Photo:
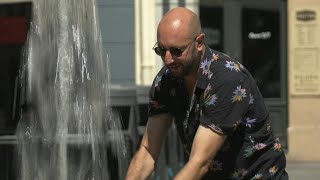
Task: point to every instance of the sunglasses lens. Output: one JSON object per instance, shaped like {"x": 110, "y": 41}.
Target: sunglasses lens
{"x": 158, "y": 51}
{"x": 176, "y": 52}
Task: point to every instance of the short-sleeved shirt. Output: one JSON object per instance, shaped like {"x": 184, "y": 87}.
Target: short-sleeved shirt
{"x": 227, "y": 100}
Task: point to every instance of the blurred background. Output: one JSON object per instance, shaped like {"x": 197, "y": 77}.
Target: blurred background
{"x": 277, "y": 40}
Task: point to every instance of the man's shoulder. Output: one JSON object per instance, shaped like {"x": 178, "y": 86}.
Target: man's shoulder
{"x": 217, "y": 55}
{"x": 219, "y": 62}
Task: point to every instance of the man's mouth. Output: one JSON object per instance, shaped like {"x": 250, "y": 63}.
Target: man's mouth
{"x": 174, "y": 67}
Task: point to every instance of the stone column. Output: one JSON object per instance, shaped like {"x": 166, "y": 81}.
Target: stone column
{"x": 304, "y": 80}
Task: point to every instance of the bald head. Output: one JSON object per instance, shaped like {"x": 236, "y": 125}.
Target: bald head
{"x": 179, "y": 22}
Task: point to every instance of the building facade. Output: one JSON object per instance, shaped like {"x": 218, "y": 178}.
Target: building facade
{"x": 277, "y": 40}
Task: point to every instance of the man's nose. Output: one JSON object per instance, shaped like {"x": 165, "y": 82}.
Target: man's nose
{"x": 168, "y": 59}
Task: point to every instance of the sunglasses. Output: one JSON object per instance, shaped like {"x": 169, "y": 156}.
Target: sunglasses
{"x": 174, "y": 51}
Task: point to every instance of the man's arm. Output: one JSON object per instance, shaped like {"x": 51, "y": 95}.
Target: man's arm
{"x": 143, "y": 163}
{"x": 205, "y": 146}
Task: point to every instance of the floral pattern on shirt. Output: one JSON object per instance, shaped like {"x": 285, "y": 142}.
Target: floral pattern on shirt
{"x": 205, "y": 66}
{"x": 215, "y": 128}
{"x": 227, "y": 101}
{"x": 239, "y": 94}
{"x": 257, "y": 177}
{"x": 251, "y": 149}
{"x": 215, "y": 57}
{"x": 277, "y": 146}
{"x": 249, "y": 122}
{"x": 251, "y": 99}
{"x": 216, "y": 166}
{"x": 210, "y": 99}
{"x": 238, "y": 173}
{"x": 233, "y": 66}
{"x": 156, "y": 83}
{"x": 273, "y": 170}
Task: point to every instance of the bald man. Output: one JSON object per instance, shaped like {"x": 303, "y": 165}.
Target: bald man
{"x": 216, "y": 106}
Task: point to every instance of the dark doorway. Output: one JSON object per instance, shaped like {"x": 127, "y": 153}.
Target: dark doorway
{"x": 260, "y": 49}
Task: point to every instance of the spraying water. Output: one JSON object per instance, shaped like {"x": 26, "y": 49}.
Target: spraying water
{"x": 66, "y": 126}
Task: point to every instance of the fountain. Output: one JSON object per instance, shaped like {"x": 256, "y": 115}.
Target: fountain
{"x": 66, "y": 129}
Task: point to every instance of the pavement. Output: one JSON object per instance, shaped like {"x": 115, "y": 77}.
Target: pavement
{"x": 303, "y": 170}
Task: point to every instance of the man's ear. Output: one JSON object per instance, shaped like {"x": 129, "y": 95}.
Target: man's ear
{"x": 200, "y": 40}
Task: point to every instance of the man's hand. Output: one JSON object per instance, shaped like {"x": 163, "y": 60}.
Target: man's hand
{"x": 143, "y": 163}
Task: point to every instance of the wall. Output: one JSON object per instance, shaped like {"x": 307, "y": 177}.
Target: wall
{"x": 304, "y": 80}
{"x": 117, "y": 28}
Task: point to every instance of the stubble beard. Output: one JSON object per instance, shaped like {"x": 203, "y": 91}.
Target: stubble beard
{"x": 193, "y": 63}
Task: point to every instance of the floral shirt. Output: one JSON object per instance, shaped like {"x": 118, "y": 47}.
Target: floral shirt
{"x": 226, "y": 100}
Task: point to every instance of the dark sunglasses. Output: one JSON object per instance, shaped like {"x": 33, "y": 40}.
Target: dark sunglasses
{"x": 174, "y": 51}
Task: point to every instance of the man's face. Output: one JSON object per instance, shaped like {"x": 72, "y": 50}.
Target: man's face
{"x": 183, "y": 62}
{"x": 184, "y": 65}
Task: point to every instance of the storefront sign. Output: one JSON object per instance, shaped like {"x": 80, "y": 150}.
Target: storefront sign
{"x": 306, "y": 15}
{"x": 260, "y": 35}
